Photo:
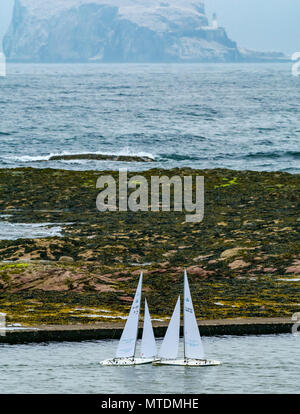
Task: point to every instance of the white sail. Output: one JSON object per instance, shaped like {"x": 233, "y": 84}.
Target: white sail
{"x": 127, "y": 344}
{"x": 148, "y": 347}
{"x": 193, "y": 347}
{"x": 169, "y": 347}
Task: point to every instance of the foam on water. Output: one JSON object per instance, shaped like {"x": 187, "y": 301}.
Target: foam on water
{"x": 14, "y": 231}
{"x": 47, "y": 157}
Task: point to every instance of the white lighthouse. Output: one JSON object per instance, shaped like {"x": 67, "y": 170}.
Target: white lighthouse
{"x": 215, "y": 21}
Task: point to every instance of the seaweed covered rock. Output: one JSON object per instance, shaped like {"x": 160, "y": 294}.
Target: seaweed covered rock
{"x": 103, "y": 157}
{"x": 243, "y": 258}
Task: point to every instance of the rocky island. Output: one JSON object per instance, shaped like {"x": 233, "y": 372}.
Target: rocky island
{"x": 121, "y": 31}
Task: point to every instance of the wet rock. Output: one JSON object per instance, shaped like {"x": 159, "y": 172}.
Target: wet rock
{"x": 66, "y": 259}
{"x": 101, "y": 157}
{"x": 227, "y": 254}
{"x": 198, "y": 271}
{"x": 295, "y": 268}
{"x": 237, "y": 264}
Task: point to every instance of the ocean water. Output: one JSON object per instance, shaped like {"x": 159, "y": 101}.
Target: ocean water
{"x": 239, "y": 116}
{"x": 250, "y": 364}
{"x": 14, "y": 231}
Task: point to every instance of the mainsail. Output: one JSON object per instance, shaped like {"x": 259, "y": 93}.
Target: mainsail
{"x": 148, "y": 346}
{"x": 169, "y": 347}
{"x": 193, "y": 347}
{"x": 126, "y": 348}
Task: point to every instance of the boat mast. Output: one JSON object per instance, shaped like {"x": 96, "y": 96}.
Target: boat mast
{"x": 184, "y": 292}
{"x": 137, "y": 329}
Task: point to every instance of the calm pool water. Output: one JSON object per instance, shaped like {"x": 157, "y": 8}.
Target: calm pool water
{"x": 251, "y": 364}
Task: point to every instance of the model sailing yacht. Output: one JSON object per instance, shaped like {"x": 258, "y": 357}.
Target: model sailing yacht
{"x": 127, "y": 345}
{"x": 193, "y": 347}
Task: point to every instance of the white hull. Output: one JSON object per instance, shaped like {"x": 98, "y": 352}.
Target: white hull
{"x": 187, "y": 362}
{"x": 127, "y": 361}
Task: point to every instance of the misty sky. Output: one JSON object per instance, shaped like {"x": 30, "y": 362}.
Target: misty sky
{"x": 255, "y": 24}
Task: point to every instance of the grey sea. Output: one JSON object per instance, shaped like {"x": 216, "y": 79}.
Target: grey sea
{"x": 250, "y": 364}
{"x": 239, "y": 116}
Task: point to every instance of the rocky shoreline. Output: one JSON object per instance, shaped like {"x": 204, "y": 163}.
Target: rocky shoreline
{"x": 243, "y": 260}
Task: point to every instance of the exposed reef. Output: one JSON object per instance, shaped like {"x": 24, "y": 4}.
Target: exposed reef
{"x": 243, "y": 259}
{"x": 102, "y": 157}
